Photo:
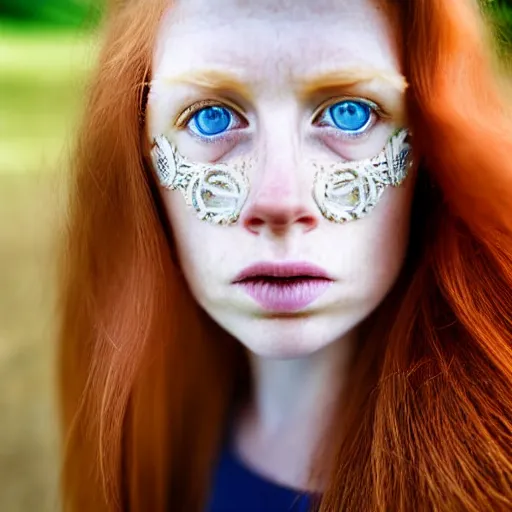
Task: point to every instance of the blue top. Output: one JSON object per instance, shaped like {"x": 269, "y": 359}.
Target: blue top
{"x": 236, "y": 488}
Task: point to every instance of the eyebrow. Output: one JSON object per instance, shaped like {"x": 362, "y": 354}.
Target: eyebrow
{"x": 211, "y": 79}
{"x": 351, "y": 77}
{"x": 221, "y": 80}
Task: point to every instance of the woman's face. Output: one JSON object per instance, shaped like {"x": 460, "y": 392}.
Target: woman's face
{"x": 285, "y": 86}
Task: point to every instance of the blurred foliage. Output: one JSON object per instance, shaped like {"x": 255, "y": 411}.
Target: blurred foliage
{"x": 76, "y": 13}
{"x": 500, "y": 15}
{"x": 64, "y": 13}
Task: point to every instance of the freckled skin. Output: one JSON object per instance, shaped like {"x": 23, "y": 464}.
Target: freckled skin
{"x": 271, "y": 46}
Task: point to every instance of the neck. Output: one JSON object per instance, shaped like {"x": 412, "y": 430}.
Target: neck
{"x": 293, "y": 401}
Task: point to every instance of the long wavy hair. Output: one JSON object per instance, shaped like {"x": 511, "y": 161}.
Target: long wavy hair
{"x": 147, "y": 380}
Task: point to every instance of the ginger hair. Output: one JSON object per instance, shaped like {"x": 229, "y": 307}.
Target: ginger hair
{"x": 147, "y": 380}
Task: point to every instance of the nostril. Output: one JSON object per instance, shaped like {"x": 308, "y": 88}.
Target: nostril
{"x": 254, "y": 222}
{"x": 308, "y": 222}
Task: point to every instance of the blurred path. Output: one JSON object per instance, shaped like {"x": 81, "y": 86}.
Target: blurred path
{"x": 28, "y": 437}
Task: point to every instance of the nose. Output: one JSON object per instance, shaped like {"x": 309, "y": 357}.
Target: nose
{"x": 280, "y": 199}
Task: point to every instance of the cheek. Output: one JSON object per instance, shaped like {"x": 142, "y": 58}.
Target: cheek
{"x": 376, "y": 245}
{"x": 198, "y": 253}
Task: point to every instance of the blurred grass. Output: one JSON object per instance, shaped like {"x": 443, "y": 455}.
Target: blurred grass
{"x": 41, "y": 73}
{"x": 42, "y": 78}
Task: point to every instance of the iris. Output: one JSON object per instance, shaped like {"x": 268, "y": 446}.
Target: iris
{"x": 350, "y": 116}
{"x": 212, "y": 120}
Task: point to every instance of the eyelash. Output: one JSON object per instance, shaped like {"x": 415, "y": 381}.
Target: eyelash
{"x": 188, "y": 114}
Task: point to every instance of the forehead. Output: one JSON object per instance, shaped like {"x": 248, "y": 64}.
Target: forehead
{"x": 269, "y": 39}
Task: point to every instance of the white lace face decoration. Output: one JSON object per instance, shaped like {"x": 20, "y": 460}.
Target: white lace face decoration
{"x": 350, "y": 190}
{"x": 217, "y": 192}
{"x": 342, "y": 191}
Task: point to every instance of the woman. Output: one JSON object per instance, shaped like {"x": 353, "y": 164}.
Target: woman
{"x": 288, "y": 269}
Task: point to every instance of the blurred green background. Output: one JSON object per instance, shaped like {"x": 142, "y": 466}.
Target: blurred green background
{"x": 47, "y": 49}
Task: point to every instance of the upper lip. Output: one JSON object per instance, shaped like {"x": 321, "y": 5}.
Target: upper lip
{"x": 283, "y": 270}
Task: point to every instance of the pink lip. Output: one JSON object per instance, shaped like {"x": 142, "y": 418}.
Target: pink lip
{"x": 284, "y": 287}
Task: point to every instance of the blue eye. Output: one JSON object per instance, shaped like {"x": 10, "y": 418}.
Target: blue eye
{"x": 353, "y": 117}
{"x": 211, "y": 121}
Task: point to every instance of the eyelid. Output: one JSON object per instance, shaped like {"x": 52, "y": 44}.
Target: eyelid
{"x": 184, "y": 117}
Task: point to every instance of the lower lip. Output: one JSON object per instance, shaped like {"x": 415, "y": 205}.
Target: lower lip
{"x": 285, "y": 295}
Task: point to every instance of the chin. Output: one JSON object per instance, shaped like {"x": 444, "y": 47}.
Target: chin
{"x": 287, "y": 337}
